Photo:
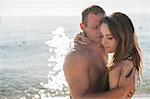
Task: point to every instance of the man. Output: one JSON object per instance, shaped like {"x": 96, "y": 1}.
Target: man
{"x": 85, "y": 66}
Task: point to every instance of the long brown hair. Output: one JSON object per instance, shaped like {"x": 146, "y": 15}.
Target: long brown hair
{"x": 122, "y": 30}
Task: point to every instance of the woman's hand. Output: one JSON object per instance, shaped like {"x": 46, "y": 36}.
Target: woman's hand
{"x": 81, "y": 39}
{"x": 131, "y": 93}
{"x": 128, "y": 83}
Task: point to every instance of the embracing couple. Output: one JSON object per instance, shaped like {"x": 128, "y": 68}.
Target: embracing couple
{"x": 88, "y": 72}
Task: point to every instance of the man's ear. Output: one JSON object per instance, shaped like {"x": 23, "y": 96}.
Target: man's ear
{"x": 82, "y": 26}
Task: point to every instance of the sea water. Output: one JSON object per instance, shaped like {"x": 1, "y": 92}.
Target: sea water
{"x": 27, "y": 47}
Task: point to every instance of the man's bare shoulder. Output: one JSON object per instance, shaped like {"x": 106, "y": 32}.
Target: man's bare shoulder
{"x": 76, "y": 54}
{"x": 75, "y": 58}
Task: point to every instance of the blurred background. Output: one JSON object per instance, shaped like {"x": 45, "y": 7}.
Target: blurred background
{"x": 36, "y": 34}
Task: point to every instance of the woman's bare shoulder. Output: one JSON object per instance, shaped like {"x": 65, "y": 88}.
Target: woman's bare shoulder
{"x": 127, "y": 65}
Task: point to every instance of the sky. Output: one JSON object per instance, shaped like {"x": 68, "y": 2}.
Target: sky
{"x": 69, "y": 7}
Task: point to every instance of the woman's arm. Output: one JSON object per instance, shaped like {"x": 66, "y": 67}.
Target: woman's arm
{"x": 115, "y": 73}
{"x": 81, "y": 39}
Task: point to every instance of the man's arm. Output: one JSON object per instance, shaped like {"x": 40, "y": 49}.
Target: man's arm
{"x": 77, "y": 76}
{"x": 76, "y": 73}
{"x": 125, "y": 86}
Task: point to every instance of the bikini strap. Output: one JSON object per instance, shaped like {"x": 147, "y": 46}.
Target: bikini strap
{"x": 131, "y": 71}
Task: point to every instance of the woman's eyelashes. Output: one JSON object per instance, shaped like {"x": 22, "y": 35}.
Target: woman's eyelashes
{"x": 107, "y": 37}
{"x": 110, "y": 38}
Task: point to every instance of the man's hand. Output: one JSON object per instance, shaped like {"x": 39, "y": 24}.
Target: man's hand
{"x": 127, "y": 83}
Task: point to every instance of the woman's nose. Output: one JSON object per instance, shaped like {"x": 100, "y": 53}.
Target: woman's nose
{"x": 104, "y": 42}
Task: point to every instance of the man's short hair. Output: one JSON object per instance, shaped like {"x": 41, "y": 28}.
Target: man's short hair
{"x": 94, "y": 9}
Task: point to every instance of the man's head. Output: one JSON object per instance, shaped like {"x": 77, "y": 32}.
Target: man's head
{"x": 91, "y": 18}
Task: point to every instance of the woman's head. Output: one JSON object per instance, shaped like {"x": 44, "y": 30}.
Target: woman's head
{"x": 109, "y": 31}
{"x": 112, "y": 35}
{"x": 122, "y": 31}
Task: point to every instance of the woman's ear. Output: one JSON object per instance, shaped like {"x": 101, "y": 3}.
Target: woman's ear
{"x": 82, "y": 26}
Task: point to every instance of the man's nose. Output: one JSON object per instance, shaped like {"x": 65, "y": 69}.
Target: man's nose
{"x": 98, "y": 33}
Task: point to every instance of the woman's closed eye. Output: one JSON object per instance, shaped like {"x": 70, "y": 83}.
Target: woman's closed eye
{"x": 110, "y": 38}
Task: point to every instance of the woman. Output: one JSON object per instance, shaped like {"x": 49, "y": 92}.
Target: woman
{"x": 118, "y": 38}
